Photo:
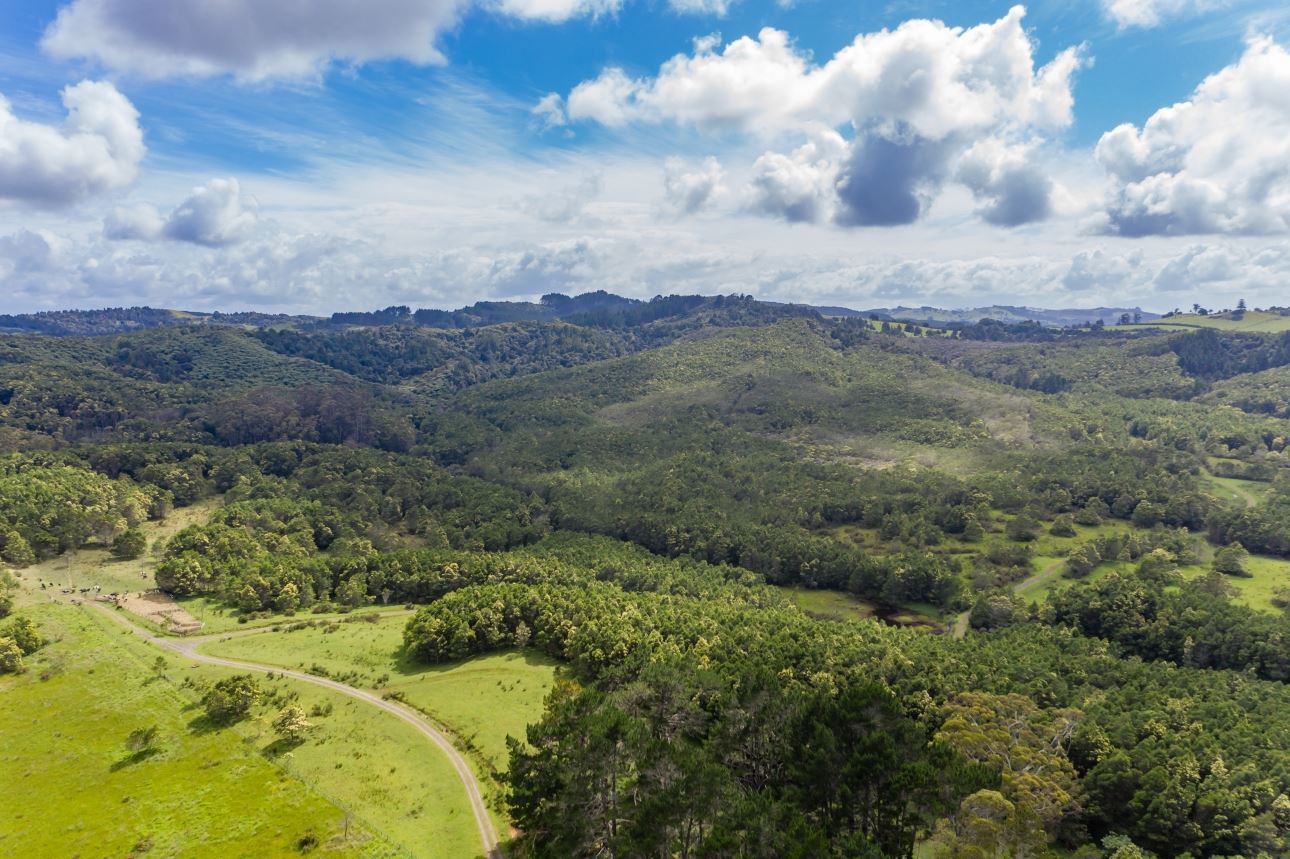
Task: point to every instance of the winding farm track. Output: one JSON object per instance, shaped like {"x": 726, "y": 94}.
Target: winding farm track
{"x": 961, "y": 622}
{"x": 187, "y": 648}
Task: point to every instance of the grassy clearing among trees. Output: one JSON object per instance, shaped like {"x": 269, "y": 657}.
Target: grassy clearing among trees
{"x": 481, "y": 701}
{"x": 197, "y": 792}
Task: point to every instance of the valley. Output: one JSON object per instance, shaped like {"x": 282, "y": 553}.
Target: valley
{"x": 599, "y": 563}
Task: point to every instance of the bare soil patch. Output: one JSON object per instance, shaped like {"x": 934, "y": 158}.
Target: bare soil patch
{"x": 161, "y": 610}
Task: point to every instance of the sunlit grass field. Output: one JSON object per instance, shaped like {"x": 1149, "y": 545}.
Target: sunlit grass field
{"x": 480, "y": 701}
{"x": 831, "y": 605}
{"x": 1253, "y": 322}
{"x": 72, "y": 788}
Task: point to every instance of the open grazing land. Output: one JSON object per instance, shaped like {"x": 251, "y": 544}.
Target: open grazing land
{"x": 77, "y": 785}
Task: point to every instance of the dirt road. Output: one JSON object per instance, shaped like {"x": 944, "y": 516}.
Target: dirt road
{"x": 961, "y": 622}
{"x": 187, "y": 648}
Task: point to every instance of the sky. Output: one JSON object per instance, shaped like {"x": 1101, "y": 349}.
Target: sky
{"x": 315, "y": 156}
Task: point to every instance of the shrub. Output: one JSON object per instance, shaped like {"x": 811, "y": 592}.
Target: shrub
{"x": 231, "y": 699}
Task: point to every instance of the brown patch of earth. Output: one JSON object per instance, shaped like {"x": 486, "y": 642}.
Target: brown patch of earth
{"x": 160, "y": 609}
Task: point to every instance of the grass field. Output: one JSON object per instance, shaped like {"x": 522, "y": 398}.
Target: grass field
{"x": 831, "y": 605}
{"x": 1247, "y": 492}
{"x": 218, "y": 617}
{"x": 380, "y": 769}
{"x": 94, "y": 565}
{"x": 1256, "y": 591}
{"x": 206, "y": 793}
{"x": 480, "y": 701}
{"x": 1253, "y": 322}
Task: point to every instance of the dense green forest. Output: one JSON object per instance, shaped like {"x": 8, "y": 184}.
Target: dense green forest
{"x": 1073, "y": 543}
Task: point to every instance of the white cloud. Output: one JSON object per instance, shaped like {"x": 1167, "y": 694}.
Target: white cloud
{"x": 1007, "y": 183}
{"x": 1150, "y": 13}
{"x": 97, "y": 148}
{"x": 925, "y": 76}
{"x": 689, "y": 189}
{"x": 700, "y": 7}
{"x": 1200, "y": 266}
{"x": 549, "y": 111}
{"x": 798, "y": 187}
{"x": 139, "y": 221}
{"x": 27, "y": 253}
{"x": 1097, "y": 269}
{"x": 212, "y": 215}
{"x": 1218, "y": 162}
{"x": 260, "y": 39}
{"x": 556, "y": 10}
{"x": 916, "y": 100}
{"x": 566, "y": 204}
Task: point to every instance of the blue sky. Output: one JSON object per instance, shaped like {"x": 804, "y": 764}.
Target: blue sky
{"x": 344, "y": 158}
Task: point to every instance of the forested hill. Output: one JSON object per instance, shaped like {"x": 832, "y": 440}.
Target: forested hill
{"x": 825, "y": 587}
{"x": 599, "y": 308}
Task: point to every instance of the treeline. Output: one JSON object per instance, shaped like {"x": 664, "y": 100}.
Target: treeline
{"x": 1264, "y": 528}
{"x": 717, "y": 723}
{"x": 47, "y": 509}
{"x": 456, "y": 358}
{"x": 1211, "y": 354}
{"x": 109, "y": 320}
{"x": 1155, "y": 614}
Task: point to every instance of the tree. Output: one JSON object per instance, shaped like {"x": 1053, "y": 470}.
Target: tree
{"x": 1147, "y": 514}
{"x": 290, "y": 723}
{"x": 16, "y": 550}
{"x": 10, "y": 656}
{"x": 130, "y": 544}
{"x": 141, "y": 740}
{"x": 1063, "y": 526}
{"x": 1231, "y": 560}
{"x": 26, "y": 635}
{"x": 1025, "y": 745}
{"x": 231, "y": 699}
{"x": 1023, "y": 528}
{"x": 1093, "y": 512}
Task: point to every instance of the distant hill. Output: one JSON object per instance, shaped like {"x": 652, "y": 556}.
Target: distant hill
{"x": 122, "y": 320}
{"x": 1004, "y": 313}
{"x": 597, "y": 309}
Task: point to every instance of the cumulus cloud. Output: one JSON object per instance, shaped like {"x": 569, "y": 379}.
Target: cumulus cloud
{"x": 919, "y": 101}
{"x": 799, "y": 186}
{"x": 97, "y": 148}
{"x": 1097, "y": 269}
{"x": 27, "y": 252}
{"x": 689, "y": 189}
{"x": 1218, "y": 162}
{"x": 550, "y": 267}
{"x": 1199, "y": 266}
{"x": 212, "y": 215}
{"x": 255, "y": 39}
{"x": 1009, "y": 187}
{"x": 925, "y": 75}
